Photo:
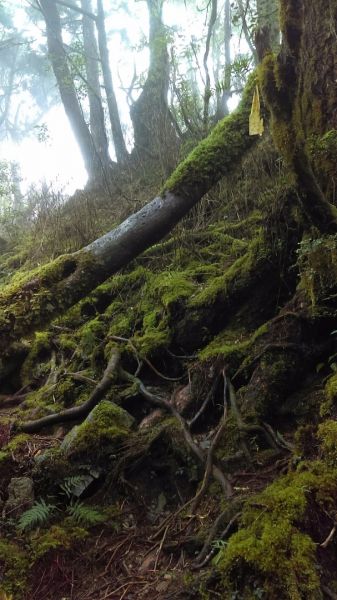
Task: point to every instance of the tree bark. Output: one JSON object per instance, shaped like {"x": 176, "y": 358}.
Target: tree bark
{"x": 50, "y": 290}
{"x": 268, "y": 21}
{"x": 117, "y": 133}
{"x": 66, "y": 87}
{"x": 97, "y": 121}
{"x": 225, "y": 93}
{"x": 299, "y": 86}
{"x": 207, "y": 91}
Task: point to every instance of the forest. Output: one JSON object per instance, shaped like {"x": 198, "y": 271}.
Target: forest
{"x": 168, "y": 324}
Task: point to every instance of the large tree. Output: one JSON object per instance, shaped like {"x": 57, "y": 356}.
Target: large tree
{"x": 150, "y": 115}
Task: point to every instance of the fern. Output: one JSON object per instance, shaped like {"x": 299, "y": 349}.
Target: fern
{"x": 37, "y": 515}
{"x": 85, "y": 515}
{"x": 75, "y": 485}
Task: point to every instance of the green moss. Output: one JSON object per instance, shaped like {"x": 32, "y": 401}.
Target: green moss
{"x": 270, "y": 549}
{"x": 214, "y": 156}
{"x": 18, "y": 442}
{"x": 317, "y": 260}
{"x": 236, "y": 277}
{"x": 63, "y": 536}
{"x": 105, "y": 427}
{"x": 226, "y": 344}
{"x": 91, "y": 334}
{"x": 35, "y": 297}
{"x": 327, "y": 434}
{"x": 15, "y": 564}
{"x": 40, "y": 350}
{"x": 172, "y": 286}
{"x": 330, "y": 396}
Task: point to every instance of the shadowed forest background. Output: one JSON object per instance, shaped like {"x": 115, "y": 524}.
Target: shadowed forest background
{"x": 168, "y": 372}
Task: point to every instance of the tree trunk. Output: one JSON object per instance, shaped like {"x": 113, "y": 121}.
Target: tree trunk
{"x": 153, "y": 130}
{"x": 66, "y": 87}
{"x": 300, "y": 89}
{"x": 268, "y": 21}
{"x": 245, "y": 29}
{"x": 207, "y": 91}
{"x": 225, "y": 93}
{"x": 52, "y": 289}
{"x": 117, "y": 133}
{"x": 97, "y": 121}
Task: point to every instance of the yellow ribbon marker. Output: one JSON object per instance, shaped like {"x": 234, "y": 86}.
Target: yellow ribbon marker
{"x": 255, "y": 121}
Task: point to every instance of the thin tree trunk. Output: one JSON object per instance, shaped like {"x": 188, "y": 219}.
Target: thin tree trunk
{"x": 245, "y": 29}
{"x": 66, "y": 86}
{"x": 117, "y": 133}
{"x": 207, "y": 91}
{"x": 225, "y": 93}
{"x": 97, "y": 122}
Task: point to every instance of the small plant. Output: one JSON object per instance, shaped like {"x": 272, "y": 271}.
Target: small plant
{"x": 75, "y": 485}
{"x": 38, "y": 514}
{"x": 218, "y": 545}
{"x": 81, "y": 513}
{"x": 84, "y": 515}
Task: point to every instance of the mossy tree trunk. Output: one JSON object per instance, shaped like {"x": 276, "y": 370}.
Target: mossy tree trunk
{"x": 150, "y": 115}
{"x": 299, "y": 86}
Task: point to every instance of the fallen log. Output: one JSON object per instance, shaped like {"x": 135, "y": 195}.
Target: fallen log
{"x": 48, "y": 291}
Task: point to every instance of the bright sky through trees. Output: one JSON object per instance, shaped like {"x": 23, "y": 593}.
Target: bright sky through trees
{"x": 55, "y": 158}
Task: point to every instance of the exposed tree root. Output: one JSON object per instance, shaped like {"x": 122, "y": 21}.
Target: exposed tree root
{"x": 211, "y": 450}
{"x": 163, "y": 403}
{"x": 77, "y": 412}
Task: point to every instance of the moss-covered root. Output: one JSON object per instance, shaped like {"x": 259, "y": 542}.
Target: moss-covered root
{"x": 77, "y": 412}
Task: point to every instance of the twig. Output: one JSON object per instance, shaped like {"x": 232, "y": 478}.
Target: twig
{"x": 211, "y": 450}
{"x": 329, "y": 538}
{"x": 118, "y": 338}
{"x": 79, "y": 377}
{"x": 160, "y": 548}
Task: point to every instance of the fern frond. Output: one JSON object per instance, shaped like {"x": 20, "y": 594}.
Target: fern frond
{"x": 75, "y": 485}
{"x": 37, "y": 515}
{"x": 85, "y": 515}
